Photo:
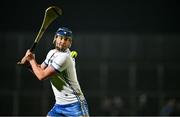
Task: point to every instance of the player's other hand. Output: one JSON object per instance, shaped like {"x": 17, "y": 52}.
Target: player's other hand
{"x": 29, "y": 56}
{"x": 23, "y": 61}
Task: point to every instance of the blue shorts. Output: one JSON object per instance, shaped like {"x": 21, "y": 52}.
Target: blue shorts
{"x": 74, "y": 109}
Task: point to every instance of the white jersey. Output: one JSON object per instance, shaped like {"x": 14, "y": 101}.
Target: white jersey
{"x": 65, "y": 85}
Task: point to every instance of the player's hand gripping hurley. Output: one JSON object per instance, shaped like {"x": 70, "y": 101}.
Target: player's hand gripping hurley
{"x": 50, "y": 15}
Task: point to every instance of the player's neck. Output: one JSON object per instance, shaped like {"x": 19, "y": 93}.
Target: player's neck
{"x": 61, "y": 49}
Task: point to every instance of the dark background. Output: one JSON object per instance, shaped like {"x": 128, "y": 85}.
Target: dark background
{"x": 155, "y": 16}
{"x": 128, "y": 55}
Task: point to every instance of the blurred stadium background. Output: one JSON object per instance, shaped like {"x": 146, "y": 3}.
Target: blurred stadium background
{"x": 128, "y": 55}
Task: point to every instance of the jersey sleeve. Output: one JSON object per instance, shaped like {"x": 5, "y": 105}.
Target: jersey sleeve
{"x": 46, "y": 61}
{"x": 59, "y": 62}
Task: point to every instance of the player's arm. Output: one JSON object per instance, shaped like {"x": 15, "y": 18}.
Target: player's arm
{"x": 41, "y": 71}
{"x": 43, "y": 66}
